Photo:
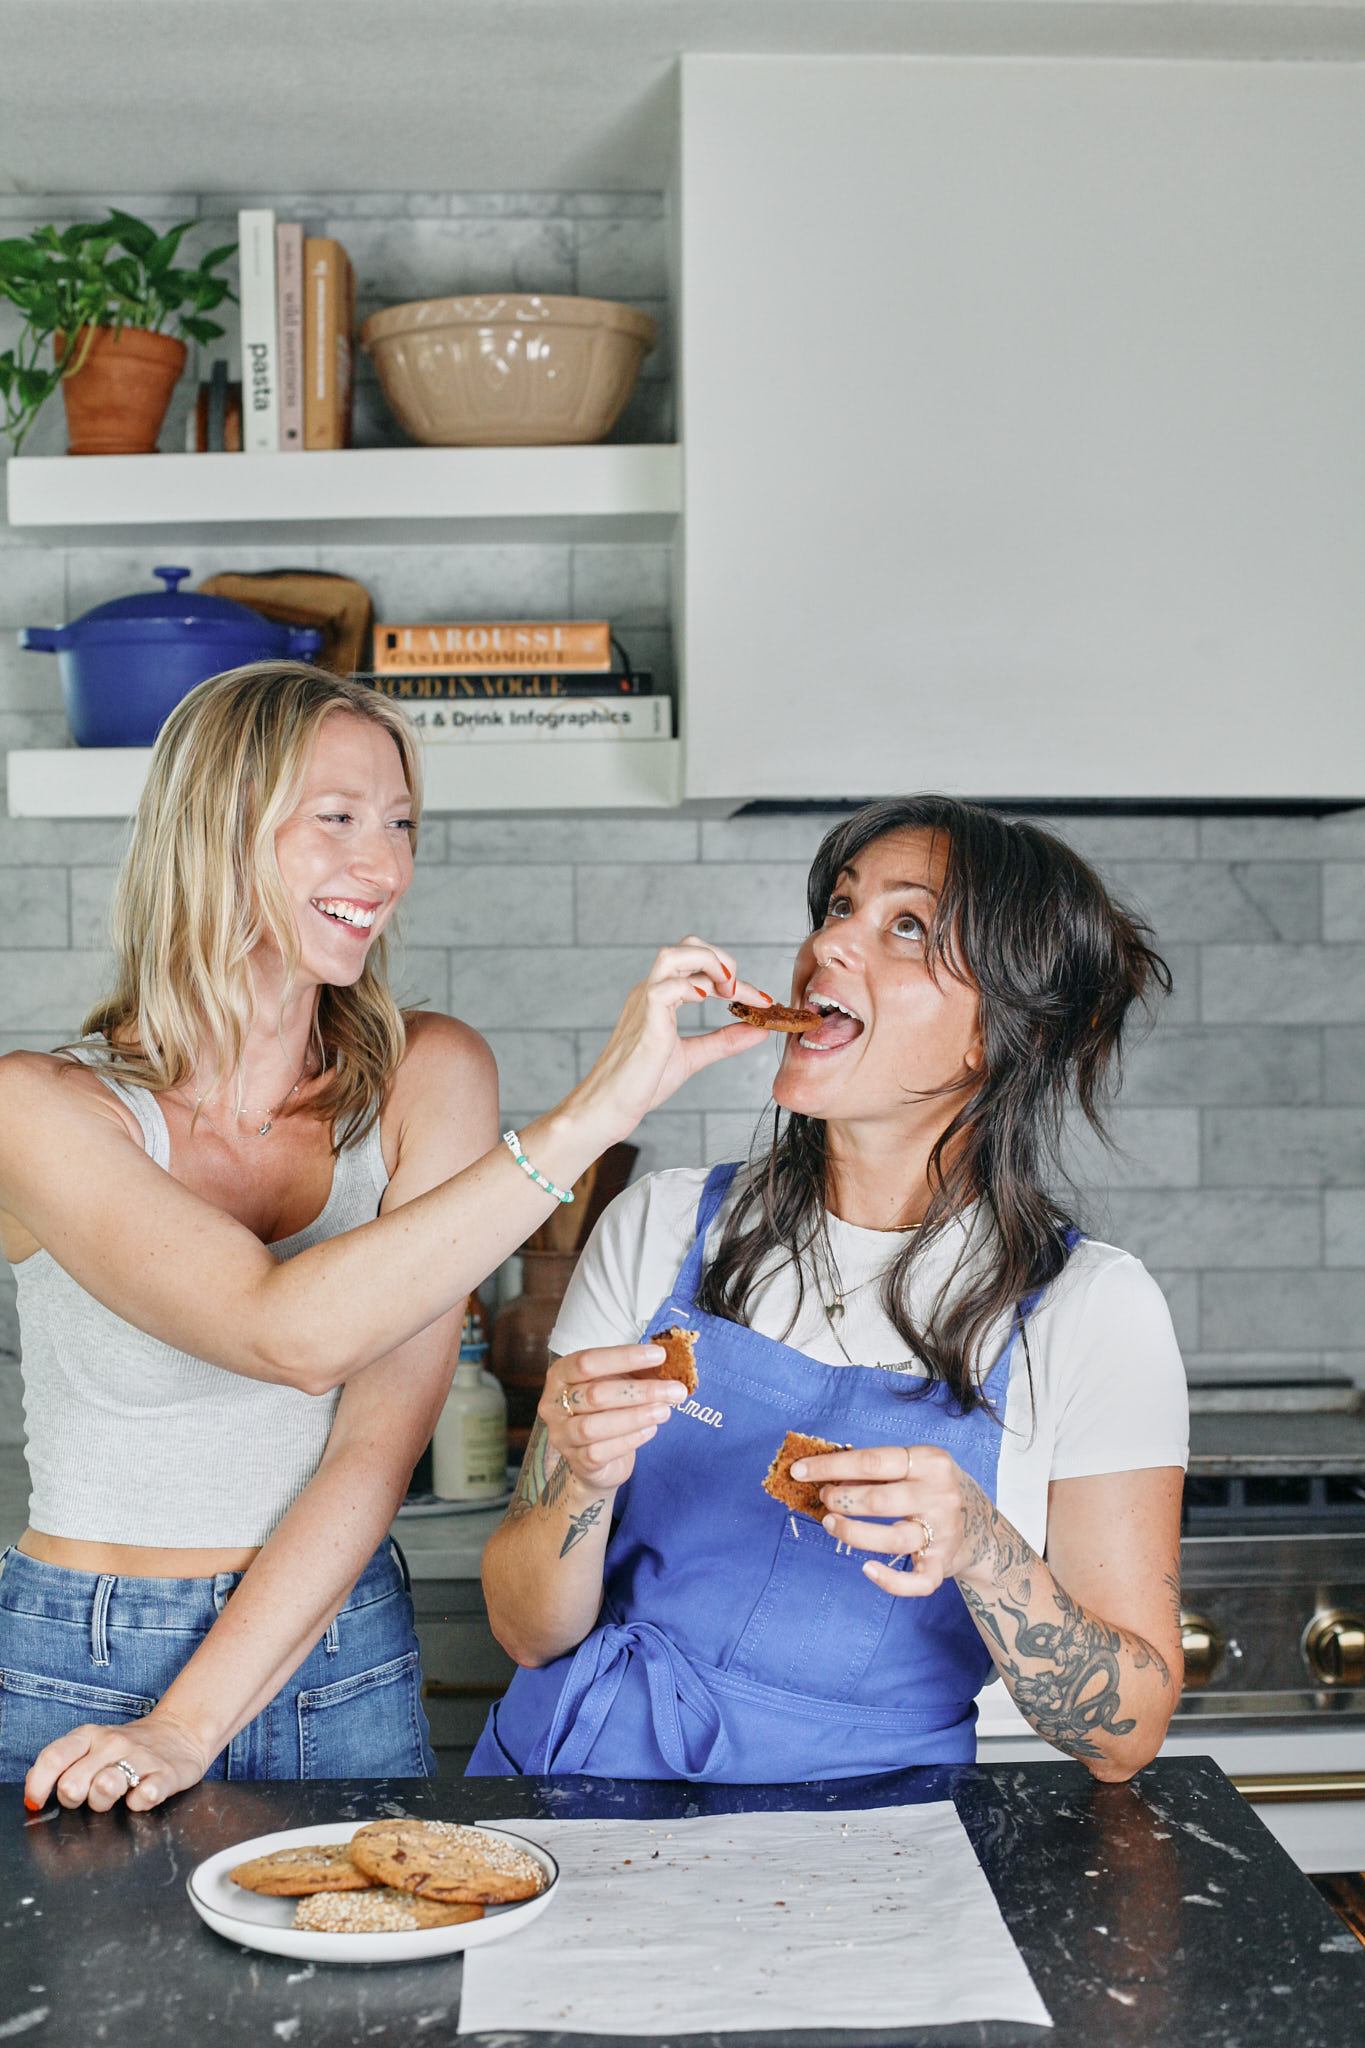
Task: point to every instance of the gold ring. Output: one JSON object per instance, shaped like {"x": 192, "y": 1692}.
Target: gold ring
{"x": 928, "y": 1542}
{"x": 565, "y": 1401}
{"x": 909, "y": 1461}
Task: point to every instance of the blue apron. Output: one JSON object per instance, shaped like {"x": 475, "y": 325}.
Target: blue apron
{"x": 737, "y": 1642}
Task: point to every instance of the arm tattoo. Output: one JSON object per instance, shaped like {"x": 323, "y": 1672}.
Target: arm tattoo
{"x": 542, "y": 1484}
{"x": 538, "y": 1467}
{"x": 1065, "y": 1673}
{"x": 579, "y": 1525}
{"x": 1172, "y": 1585}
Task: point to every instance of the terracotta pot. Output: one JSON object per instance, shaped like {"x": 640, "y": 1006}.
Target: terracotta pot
{"x": 521, "y": 1337}
{"x": 117, "y": 399}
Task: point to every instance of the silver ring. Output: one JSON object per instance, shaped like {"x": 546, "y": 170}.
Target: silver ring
{"x": 134, "y": 1778}
{"x": 566, "y": 1400}
{"x": 927, "y": 1527}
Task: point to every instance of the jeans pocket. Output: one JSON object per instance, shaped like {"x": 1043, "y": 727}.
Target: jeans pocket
{"x": 35, "y": 1710}
{"x": 367, "y": 1726}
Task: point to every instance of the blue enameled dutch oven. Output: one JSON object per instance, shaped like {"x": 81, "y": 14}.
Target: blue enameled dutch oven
{"x": 126, "y": 665}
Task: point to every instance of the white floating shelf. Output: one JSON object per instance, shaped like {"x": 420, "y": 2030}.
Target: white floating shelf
{"x": 582, "y": 775}
{"x": 574, "y": 493}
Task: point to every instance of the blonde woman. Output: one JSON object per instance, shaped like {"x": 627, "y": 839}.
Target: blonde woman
{"x": 245, "y": 1212}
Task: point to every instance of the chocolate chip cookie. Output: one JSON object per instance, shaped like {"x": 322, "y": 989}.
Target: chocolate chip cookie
{"x": 440, "y": 1859}
{"x": 292, "y": 1873}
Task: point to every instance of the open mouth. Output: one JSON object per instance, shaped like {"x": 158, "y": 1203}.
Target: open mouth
{"x": 839, "y": 1026}
{"x": 356, "y": 917}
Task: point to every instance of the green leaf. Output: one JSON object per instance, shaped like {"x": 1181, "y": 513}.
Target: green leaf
{"x": 133, "y": 235}
{"x": 217, "y": 256}
{"x": 199, "y": 330}
{"x": 161, "y": 256}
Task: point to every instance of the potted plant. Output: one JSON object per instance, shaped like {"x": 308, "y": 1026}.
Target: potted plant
{"x": 104, "y": 293}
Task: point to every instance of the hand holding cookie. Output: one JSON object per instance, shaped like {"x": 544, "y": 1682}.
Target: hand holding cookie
{"x": 645, "y": 1061}
{"x": 926, "y": 1497}
{"x": 600, "y": 1406}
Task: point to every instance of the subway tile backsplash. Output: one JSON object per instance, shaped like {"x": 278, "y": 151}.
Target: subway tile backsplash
{"x": 1239, "y": 1173}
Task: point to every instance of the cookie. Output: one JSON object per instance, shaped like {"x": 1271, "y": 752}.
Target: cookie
{"x": 778, "y": 1017}
{"x": 801, "y": 1495}
{"x": 442, "y": 1860}
{"x": 377, "y": 1911}
{"x": 290, "y": 1873}
{"x": 681, "y": 1362}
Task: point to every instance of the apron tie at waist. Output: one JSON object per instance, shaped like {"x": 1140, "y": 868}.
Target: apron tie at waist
{"x": 589, "y": 1692}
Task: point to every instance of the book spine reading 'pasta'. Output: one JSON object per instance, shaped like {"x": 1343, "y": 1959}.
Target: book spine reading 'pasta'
{"x": 507, "y": 646}
{"x": 447, "y": 688}
{"x": 576, "y": 718}
{"x": 260, "y": 341}
{"x": 289, "y": 312}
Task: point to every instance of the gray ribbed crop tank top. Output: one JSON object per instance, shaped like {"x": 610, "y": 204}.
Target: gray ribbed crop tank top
{"x": 130, "y": 1441}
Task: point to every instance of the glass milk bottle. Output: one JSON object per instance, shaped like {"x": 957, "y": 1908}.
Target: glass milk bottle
{"x": 469, "y": 1445}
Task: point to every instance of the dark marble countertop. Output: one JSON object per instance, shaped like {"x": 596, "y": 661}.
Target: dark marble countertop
{"x": 1154, "y": 1913}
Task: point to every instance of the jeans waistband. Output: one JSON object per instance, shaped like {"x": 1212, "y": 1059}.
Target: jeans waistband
{"x": 51, "y": 1591}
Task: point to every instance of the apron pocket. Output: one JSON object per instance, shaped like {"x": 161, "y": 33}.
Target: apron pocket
{"x": 35, "y": 1710}
{"x": 367, "y": 1726}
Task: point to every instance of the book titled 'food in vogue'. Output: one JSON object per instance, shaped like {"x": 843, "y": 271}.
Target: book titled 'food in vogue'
{"x": 450, "y": 688}
{"x": 574, "y": 718}
{"x": 260, "y": 332}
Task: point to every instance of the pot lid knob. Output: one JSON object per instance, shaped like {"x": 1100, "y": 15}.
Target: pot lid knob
{"x": 172, "y": 578}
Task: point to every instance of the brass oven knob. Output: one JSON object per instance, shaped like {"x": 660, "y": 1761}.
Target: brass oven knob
{"x": 1334, "y": 1647}
{"x": 1203, "y": 1647}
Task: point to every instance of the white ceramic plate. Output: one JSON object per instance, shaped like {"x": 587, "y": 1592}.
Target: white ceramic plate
{"x": 254, "y": 1921}
{"x": 431, "y": 1504}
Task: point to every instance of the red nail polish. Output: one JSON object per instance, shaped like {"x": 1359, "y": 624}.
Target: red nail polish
{"x": 703, "y": 992}
{"x": 32, "y": 1804}
{"x": 766, "y": 997}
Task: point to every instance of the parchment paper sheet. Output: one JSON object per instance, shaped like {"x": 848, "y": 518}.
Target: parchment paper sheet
{"x": 732, "y": 1922}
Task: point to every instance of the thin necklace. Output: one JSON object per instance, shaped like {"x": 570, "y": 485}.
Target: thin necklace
{"x": 261, "y": 1129}
{"x": 841, "y": 1295}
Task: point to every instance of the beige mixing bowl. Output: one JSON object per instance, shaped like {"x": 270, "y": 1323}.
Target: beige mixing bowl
{"x": 488, "y": 372}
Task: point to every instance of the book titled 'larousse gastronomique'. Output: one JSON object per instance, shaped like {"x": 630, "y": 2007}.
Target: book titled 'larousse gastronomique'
{"x": 487, "y": 645}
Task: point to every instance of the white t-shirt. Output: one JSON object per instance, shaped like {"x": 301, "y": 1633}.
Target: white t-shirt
{"x": 1108, "y": 1382}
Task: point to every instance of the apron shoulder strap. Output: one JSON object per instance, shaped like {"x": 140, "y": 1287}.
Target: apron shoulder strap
{"x": 1025, "y": 1309}
{"x": 717, "y": 1187}
{"x": 1030, "y": 1302}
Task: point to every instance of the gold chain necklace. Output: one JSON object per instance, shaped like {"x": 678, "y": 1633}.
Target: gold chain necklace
{"x": 197, "y": 1107}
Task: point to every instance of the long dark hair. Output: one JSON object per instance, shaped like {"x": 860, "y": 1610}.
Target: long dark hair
{"x": 1058, "y": 966}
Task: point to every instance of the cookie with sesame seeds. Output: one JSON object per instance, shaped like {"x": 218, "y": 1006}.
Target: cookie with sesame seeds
{"x": 442, "y": 1859}
{"x": 380, "y": 1910}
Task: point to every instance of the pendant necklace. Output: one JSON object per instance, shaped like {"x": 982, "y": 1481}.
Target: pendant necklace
{"x": 840, "y": 1296}
{"x": 197, "y": 1106}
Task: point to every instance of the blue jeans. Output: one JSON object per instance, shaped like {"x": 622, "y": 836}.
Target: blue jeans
{"x": 82, "y": 1646}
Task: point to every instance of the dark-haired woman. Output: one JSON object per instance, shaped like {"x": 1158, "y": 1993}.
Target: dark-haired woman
{"x": 893, "y": 1276}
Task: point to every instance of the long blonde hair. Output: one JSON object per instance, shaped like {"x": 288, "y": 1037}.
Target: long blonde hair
{"x": 199, "y": 890}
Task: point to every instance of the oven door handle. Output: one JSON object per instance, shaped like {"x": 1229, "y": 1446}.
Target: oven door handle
{"x": 1276, "y": 1787}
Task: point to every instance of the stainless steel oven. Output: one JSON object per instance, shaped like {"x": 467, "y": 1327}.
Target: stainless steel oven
{"x": 1273, "y": 1611}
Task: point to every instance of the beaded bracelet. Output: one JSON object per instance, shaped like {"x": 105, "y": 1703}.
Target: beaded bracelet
{"x": 513, "y": 1144}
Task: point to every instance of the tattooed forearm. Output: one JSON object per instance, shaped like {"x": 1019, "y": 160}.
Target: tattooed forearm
{"x": 579, "y": 1525}
{"x": 537, "y": 1468}
{"x": 543, "y": 1482}
{"x": 1065, "y": 1667}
